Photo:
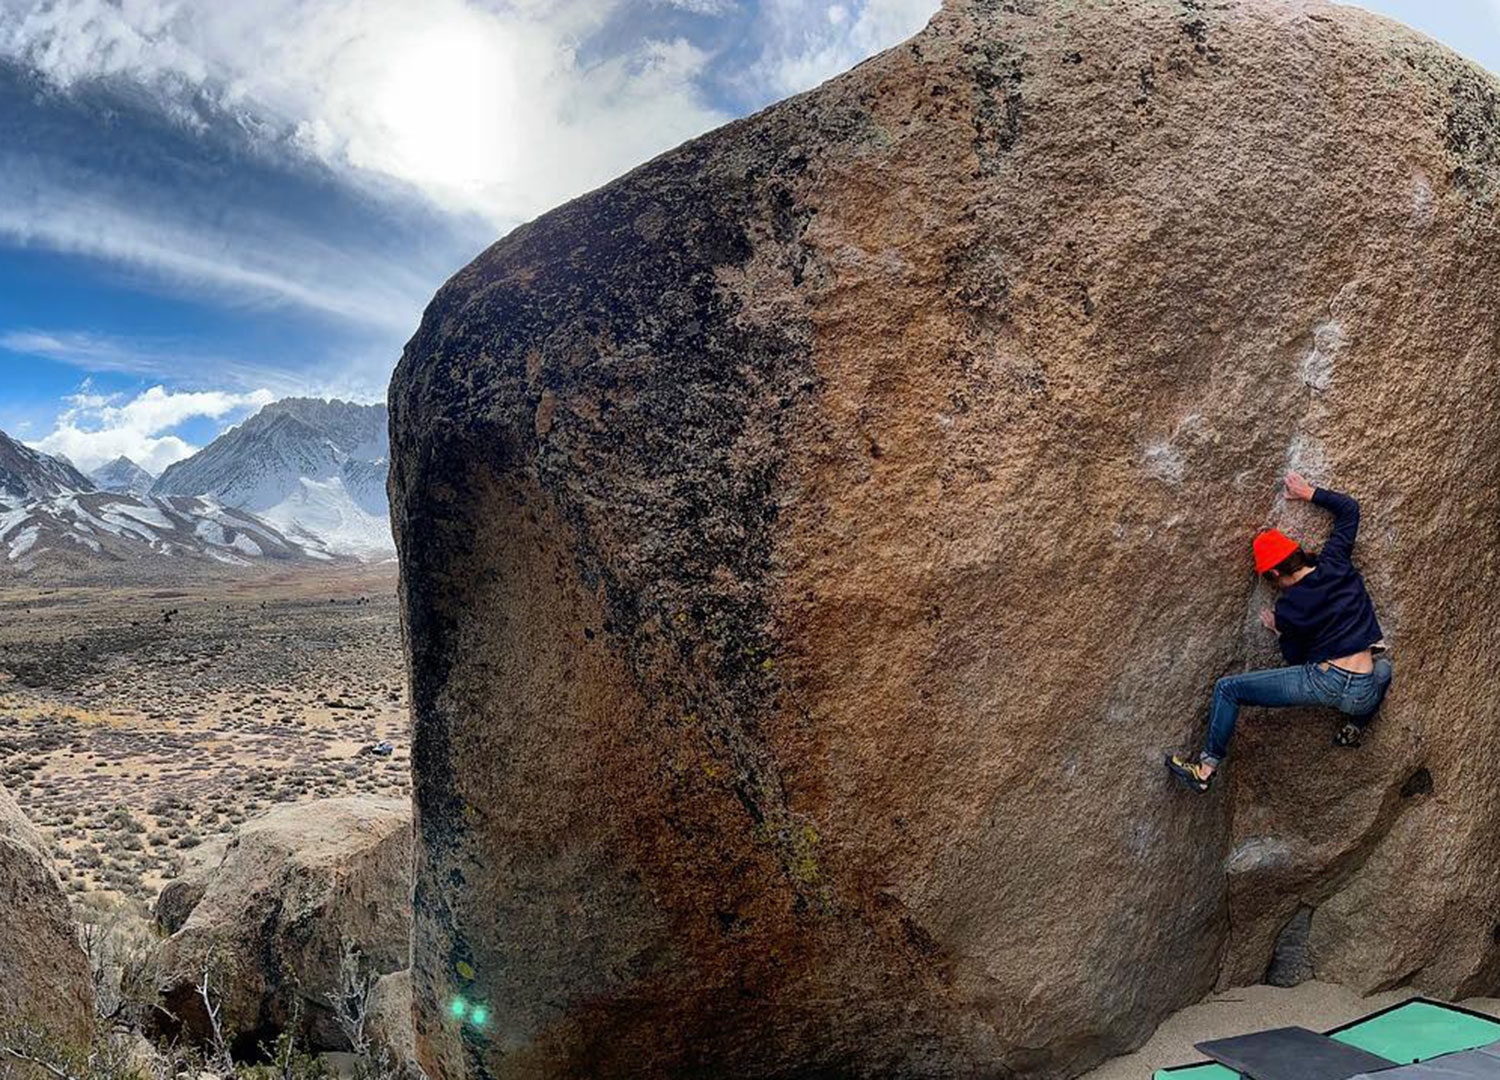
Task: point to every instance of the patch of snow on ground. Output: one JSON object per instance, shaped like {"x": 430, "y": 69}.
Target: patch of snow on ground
{"x": 24, "y": 541}
{"x": 245, "y": 544}
{"x": 325, "y": 509}
{"x": 211, "y": 532}
{"x": 146, "y": 515}
{"x": 11, "y": 518}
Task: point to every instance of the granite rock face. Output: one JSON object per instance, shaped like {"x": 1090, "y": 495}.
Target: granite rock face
{"x": 295, "y": 885}
{"x": 44, "y": 975}
{"x": 178, "y": 897}
{"x": 813, "y": 540}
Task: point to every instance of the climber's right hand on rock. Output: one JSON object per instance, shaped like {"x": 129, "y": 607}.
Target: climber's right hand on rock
{"x": 1268, "y": 619}
{"x": 1298, "y": 488}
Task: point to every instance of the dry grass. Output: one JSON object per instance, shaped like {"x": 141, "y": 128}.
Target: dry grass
{"x": 130, "y": 738}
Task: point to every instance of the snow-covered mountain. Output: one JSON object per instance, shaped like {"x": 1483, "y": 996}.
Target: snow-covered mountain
{"x": 87, "y": 527}
{"x": 51, "y": 514}
{"x": 122, "y": 475}
{"x": 30, "y": 474}
{"x": 314, "y": 469}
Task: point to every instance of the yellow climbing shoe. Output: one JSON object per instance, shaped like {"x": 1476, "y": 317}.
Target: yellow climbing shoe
{"x": 1193, "y": 775}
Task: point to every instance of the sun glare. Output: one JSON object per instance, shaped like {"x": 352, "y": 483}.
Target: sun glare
{"x": 446, "y": 106}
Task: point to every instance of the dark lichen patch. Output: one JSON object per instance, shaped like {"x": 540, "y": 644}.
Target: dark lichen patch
{"x": 665, "y": 405}
{"x": 998, "y": 107}
{"x": 1197, "y": 32}
{"x": 1471, "y": 135}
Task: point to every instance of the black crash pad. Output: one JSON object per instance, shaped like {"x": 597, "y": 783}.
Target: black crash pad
{"x": 1480, "y": 1064}
{"x": 1292, "y": 1053}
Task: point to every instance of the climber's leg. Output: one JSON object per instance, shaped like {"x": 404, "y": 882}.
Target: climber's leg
{"x": 1363, "y": 703}
{"x": 1270, "y": 688}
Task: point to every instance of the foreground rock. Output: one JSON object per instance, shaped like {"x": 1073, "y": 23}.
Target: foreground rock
{"x": 813, "y": 541}
{"x": 179, "y": 896}
{"x": 295, "y": 886}
{"x": 390, "y": 1024}
{"x": 44, "y": 974}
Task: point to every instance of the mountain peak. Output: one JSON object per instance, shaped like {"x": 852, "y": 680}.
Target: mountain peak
{"x": 30, "y": 474}
{"x": 308, "y": 465}
{"x": 124, "y": 476}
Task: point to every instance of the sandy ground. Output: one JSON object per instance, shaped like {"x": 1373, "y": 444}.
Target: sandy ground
{"x": 1314, "y": 1005}
{"x": 137, "y": 719}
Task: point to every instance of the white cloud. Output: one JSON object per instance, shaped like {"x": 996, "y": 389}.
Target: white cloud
{"x": 484, "y": 108}
{"x": 262, "y": 261}
{"x": 95, "y": 429}
{"x": 810, "y": 41}
{"x": 702, "y": 7}
{"x": 156, "y": 358}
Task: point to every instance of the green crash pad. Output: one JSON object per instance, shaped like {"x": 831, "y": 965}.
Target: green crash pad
{"x": 1413, "y": 1030}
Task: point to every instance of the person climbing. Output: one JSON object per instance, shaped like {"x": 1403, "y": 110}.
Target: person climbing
{"x": 1326, "y": 627}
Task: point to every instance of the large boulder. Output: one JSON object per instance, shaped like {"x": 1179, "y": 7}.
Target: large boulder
{"x": 813, "y": 540}
{"x": 45, "y": 984}
{"x": 178, "y": 897}
{"x": 296, "y": 887}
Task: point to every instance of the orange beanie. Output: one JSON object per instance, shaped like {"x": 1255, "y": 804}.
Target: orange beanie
{"x": 1271, "y": 547}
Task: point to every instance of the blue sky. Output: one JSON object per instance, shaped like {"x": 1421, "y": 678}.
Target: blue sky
{"x": 205, "y": 205}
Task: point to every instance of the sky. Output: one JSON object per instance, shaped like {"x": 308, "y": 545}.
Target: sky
{"x": 205, "y": 206}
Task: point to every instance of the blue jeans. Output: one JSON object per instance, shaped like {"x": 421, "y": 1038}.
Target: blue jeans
{"x": 1357, "y": 695}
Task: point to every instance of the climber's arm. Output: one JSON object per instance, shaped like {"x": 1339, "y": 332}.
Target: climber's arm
{"x": 1345, "y": 510}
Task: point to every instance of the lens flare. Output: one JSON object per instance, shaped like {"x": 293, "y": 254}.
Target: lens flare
{"x": 479, "y": 1016}
{"x": 458, "y": 1008}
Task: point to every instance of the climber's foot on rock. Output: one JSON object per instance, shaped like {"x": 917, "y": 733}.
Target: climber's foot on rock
{"x": 1193, "y": 775}
{"x": 1349, "y": 734}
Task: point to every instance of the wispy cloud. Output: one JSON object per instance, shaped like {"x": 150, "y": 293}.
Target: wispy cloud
{"x": 808, "y": 41}
{"x": 352, "y": 374}
{"x": 482, "y": 107}
{"x": 240, "y": 259}
{"x": 96, "y": 428}
{"x": 151, "y": 358}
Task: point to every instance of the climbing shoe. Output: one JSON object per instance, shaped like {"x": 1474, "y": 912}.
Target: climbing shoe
{"x": 1349, "y": 734}
{"x": 1190, "y": 774}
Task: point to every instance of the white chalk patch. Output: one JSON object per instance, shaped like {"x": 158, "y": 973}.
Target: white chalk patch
{"x": 1144, "y": 838}
{"x": 1423, "y": 203}
{"x": 1165, "y": 459}
{"x": 1317, "y": 365}
{"x": 1258, "y": 853}
{"x": 1306, "y": 455}
{"x": 1164, "y": 462}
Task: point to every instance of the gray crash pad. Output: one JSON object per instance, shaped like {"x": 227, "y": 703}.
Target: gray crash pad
{"x": 1482, "y": 1063}
{"x": 1293, "y": 1053}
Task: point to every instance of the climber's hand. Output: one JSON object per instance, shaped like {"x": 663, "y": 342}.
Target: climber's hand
{"x": 1268, "y": 619}
{"x": 1298, "y": 488}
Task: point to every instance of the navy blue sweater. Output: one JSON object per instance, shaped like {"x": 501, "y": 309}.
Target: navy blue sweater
{"x": 1328, "y": 613}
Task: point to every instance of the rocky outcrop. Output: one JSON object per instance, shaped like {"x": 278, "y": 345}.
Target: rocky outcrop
{"x": 813, "y": 540}
{"x": 296, "y": 886}
{"x": 179, "y": 896}
{"x": 44, "y": 975}
{"x": 390, "y": 1026}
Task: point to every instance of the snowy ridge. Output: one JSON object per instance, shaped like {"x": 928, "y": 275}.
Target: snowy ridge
{"x": 122, "y": 475}
{"x": 314, "y": 469}
{"x": 29, "y": 474}
{"x": 96, "y": 525}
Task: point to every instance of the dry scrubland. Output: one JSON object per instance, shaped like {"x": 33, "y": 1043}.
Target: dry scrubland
{"x": 140, "y": 719}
